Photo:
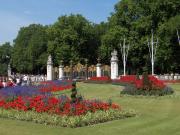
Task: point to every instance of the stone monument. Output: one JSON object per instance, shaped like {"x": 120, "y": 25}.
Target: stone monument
{"x": 49, "y": 68}
{"x": 114, "y": 65}
{"x": 61, "y": 70}
{"x": 98, "y": 68}
{"x": 9, "y": 70}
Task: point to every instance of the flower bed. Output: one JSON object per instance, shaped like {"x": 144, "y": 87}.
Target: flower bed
{"x": 24, "y": 91}
{"x": 103, "y": 79}
{"x": 149, "y": 85}
{"x": 33, "y": 104}
{"x": 61, "y": 111}
{"x": 67, "y": 121}
{"x": 44, "y": 88}
{"x": 56, "y": 85}
{"x": 60, "y": 106}
{"x": 124, "y": 80}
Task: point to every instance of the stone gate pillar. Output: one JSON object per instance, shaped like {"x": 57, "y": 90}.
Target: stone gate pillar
{"x": 9, "y": 70}
{"x": 49, "y": 68}
{"x": 114, "y": 65}
{"x": 98, "y": 68}
{"x": 86, "y": 70}
{"x": 61, "y": 70}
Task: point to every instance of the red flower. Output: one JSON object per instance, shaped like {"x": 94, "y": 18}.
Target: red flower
{"x": 103, "y": 78}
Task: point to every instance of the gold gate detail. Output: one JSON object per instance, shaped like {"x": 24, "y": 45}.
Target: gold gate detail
{"x": 79, "y": 71}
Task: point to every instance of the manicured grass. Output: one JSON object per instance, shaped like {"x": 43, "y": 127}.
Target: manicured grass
{"x": 157, "y": 115}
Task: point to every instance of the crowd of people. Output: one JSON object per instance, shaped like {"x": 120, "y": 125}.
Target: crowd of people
{"x": 5, "y": 82}
{"x": 20, "y": 80}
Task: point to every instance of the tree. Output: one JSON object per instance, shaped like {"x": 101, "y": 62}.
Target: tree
{"x": 30, "y": 47}
{"x": 138, "y": 17}
{"x": 71, "y": 37}
{"x": 75, "y": 38}
{"x": 169, "y": 49}
{"x": 5, "y": 57}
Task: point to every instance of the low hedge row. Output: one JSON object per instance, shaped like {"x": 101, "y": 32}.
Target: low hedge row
{"x": 67, "y": 121}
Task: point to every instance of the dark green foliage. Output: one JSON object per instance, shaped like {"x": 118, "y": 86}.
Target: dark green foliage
{"x": 109, "y": 101}
{"x": 74, "y": 96}
{"x": 71, "y": 36}
{"x": 80, "y": 98}
{"x": 5, "y": 57}
{"x": 3, "y": 69}
{"x": 134, "y": 20}
{"x": 74, "y": 93}
{"x": 30, "y": 49}
{"x": 146, "y": 81}
{"x": 168, "y": 90}
{"x": 132, "y": 90}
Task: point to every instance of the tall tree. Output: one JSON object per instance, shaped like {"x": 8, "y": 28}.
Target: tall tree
{"x": 71, "y": 37}
{"x": 30, "y": 47}
{"x": 5, "y": 57}
{"x": 138, "y": 17}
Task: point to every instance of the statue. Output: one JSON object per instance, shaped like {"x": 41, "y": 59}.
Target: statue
{"x": 49, "y": 61}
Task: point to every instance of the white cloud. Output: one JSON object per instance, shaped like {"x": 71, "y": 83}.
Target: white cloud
{"x": 10, "y": 25}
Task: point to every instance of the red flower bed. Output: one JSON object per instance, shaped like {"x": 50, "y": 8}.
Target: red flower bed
{"x": 53, "y": 86}
{"x": 52, "y": 105}
{"x": 103, "y": 78}
{"x": 138, "y": 84}
{"x": 126, "y": 79}
{"x": 155, "y": 83}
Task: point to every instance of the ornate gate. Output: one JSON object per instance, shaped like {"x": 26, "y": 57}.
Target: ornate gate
{"x": 80, "y": 71}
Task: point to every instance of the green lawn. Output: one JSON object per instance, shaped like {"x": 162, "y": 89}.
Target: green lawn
{"x": 156, "y": 115}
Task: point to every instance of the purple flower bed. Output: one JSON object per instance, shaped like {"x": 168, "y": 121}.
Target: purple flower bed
{"x": 24, "y": 91}
{"x": 30, "y": 91}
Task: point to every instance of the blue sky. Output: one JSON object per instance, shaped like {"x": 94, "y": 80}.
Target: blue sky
{"x": 17, "y": 13}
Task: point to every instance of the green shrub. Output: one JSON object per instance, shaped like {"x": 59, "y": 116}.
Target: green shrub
{"x": 74, "y": 93}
